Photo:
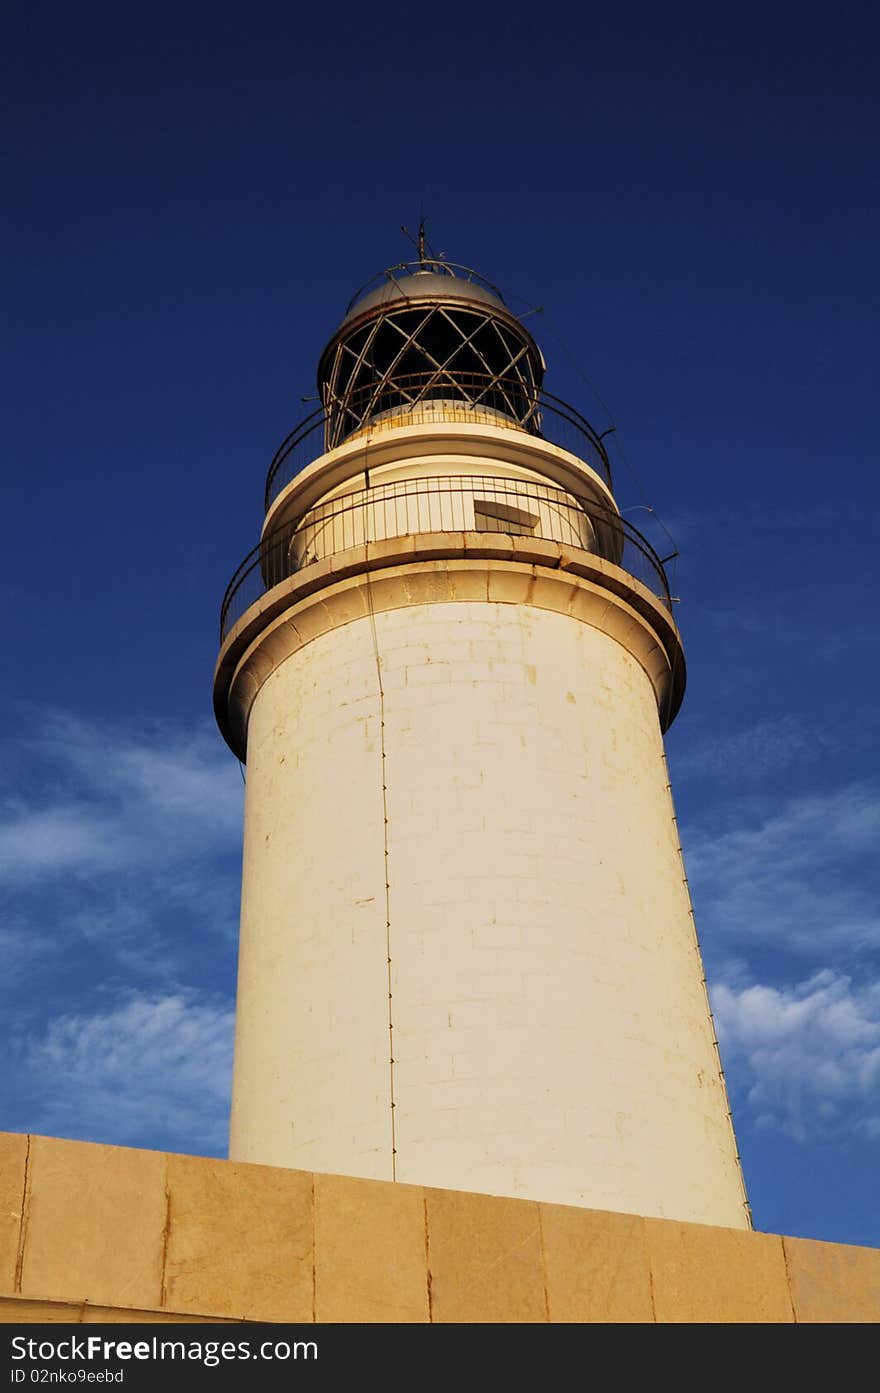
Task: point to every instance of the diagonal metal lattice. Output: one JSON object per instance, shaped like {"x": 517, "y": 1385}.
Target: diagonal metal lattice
{"x": 411, "y": 352}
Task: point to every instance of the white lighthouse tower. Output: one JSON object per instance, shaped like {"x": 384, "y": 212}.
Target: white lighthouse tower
{"x": 468, "y": 956}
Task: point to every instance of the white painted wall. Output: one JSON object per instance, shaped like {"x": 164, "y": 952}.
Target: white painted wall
{"x": 551, "y": 1030}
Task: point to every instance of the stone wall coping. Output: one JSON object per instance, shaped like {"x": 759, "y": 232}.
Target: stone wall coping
{"x": 90, "y": 1232}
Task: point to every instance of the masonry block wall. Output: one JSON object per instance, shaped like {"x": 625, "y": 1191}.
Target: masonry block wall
{"x": 467, "y": 950}
{"x": 104, "y": 1233}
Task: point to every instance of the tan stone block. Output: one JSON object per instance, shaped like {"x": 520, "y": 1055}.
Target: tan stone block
{"x": 833, "y": 1282}
{"x": 596, "y": 1266}
{"x": 484, "y": 1258}
{"x": 13, "y": 1163}
{"x": 553, "y": 590}
{"x": 263, "y": 657}
{"x": 590, "y": 605}
{"x": 118, "y": 1315}
{"x": 706, "y": 1275}
{"x": 390, "y": 551}
{"x": 239, "y": 1240}
{"x": 509, "y": 585}
{"x": 94, "y": 1226}
{"x": 621, "y": 623}
{"x": 315, "y": 576}
{"x": 21, "y": 1311}
{"x": 428, "y": 583}
{"x": 280, "y": 642}
{"x": 581, "y": 563}
{"x": 487, "y": 545}
{"x": 17, "y": 1311}
{"x": 535, "y": 551}
{"x": 392, "y": 589}
{"x": 430, "y": 546}
{"x": 310, "y": 619}
{"x": 370, "y": 1254}
{"x": 346, "y": 603}
{"x": 467, "y": 582}
{"x": 656, "y": 663}
{"x": 347, "y": 563}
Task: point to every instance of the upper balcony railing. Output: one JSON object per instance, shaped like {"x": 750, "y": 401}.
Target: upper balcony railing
{"x": 459, "y": 504}
{"x": 434, "y": 399}
{"x": 437, "y": 266}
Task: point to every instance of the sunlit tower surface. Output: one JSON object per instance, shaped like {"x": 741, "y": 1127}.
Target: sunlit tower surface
{"x": 468, "y": 956}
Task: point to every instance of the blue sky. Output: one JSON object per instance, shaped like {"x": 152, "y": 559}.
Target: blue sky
{"x": 686, "y": 204}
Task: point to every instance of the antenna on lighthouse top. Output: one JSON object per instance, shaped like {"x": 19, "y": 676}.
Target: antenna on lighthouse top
{"x": 426, "y": 255}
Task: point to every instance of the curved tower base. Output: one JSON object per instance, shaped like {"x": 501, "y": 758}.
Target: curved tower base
{"x": 467, "y": 953}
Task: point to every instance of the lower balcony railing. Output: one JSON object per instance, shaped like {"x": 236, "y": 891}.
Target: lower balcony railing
{"x": 461, "y": 503}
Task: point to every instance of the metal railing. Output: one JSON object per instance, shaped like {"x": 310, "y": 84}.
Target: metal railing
{"x": 434, "y": 399}
{"x": 484, "y": 503}
{"x": 437, "y": 265}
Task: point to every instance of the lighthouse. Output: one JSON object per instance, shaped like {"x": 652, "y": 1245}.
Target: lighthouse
{"x": 467, "y": 958}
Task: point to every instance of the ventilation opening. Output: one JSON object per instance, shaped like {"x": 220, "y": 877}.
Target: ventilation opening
{"x": 491, "y": 516}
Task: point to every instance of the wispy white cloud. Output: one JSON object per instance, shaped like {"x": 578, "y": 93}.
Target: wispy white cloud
{"x": 753, "y": 754}
{"x": 21, "y": 944}
{"x": 808, "y": 1054}
{"x": 115, "y": 801}
{"x": 35, "y": 842}
{"x": 120, "y": 837}
{"x": 803, "y": 878}
{"x": 147, "y": 1069}
{"x": 119, "y": 872}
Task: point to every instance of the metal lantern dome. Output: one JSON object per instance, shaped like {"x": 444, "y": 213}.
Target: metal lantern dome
{"x": 424, "y": 331}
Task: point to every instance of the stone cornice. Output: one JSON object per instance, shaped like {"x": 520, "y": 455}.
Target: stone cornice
{"x": 443, "y": 567}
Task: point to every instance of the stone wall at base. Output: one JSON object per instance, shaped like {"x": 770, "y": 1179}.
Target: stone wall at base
{"x": 94, "y": 1233}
